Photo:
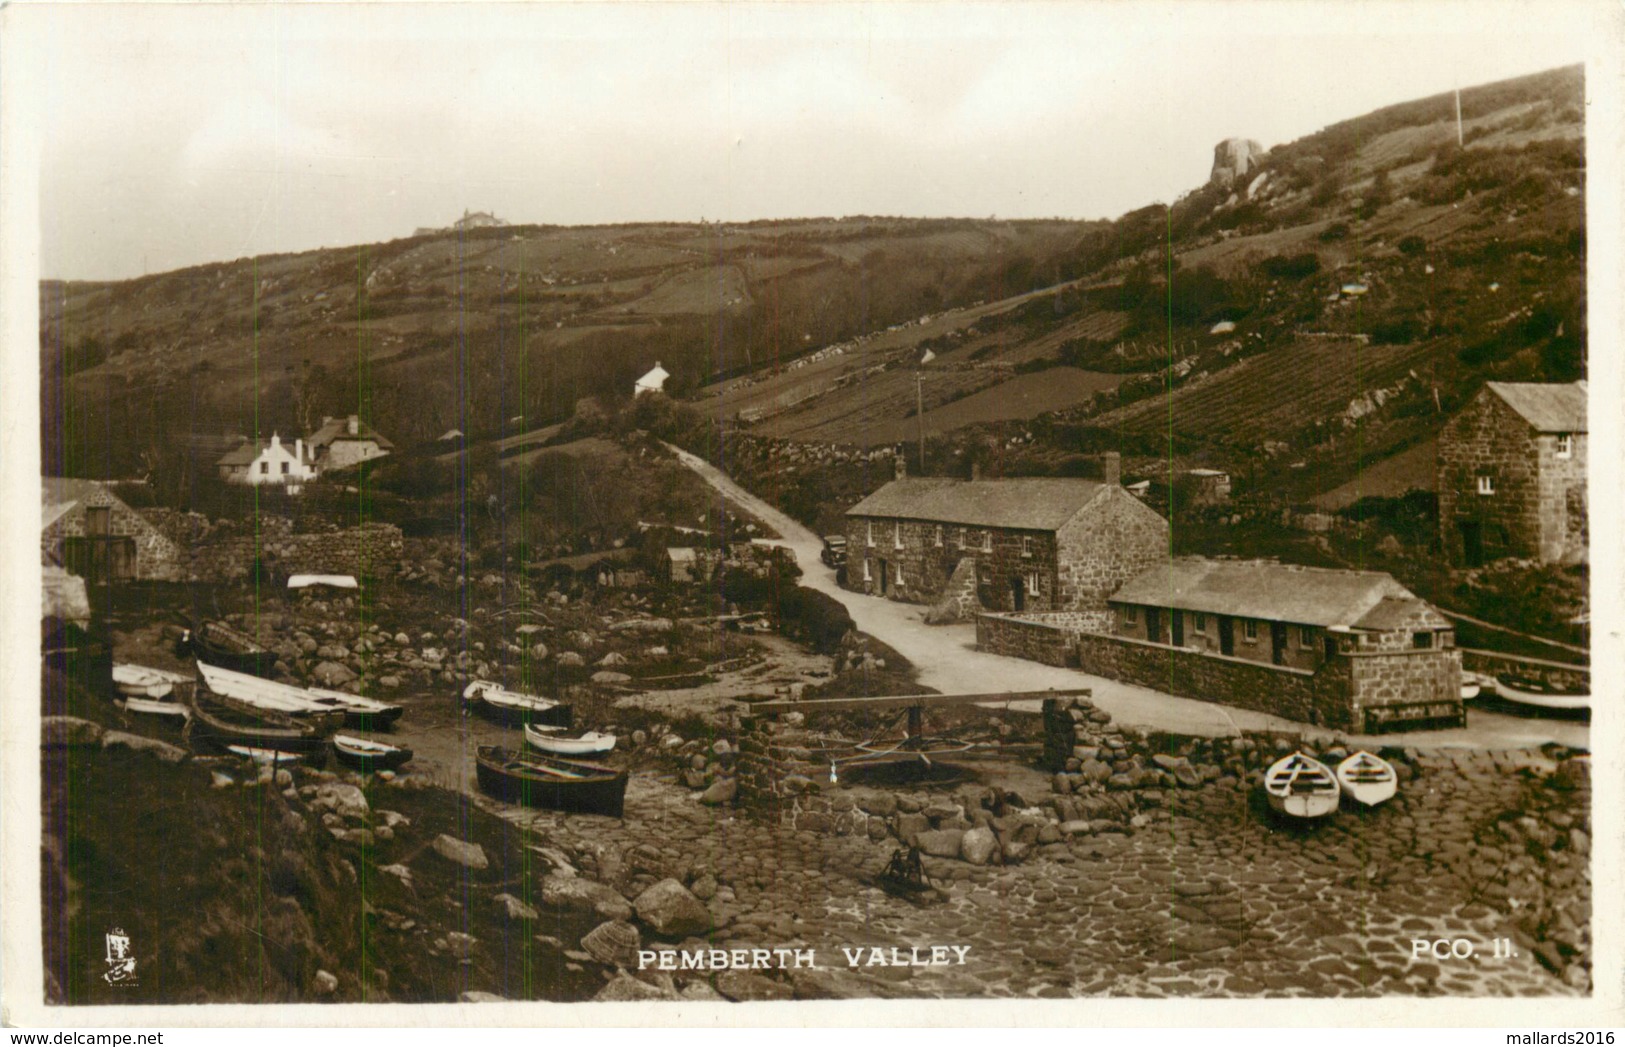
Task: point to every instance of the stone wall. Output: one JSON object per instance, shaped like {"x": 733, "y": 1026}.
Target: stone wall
{"x": 1050, "y": 638}
{"x": 370, "y": 549}
{"x": 1114, "y": 539}
{"x": 918, "y": 558}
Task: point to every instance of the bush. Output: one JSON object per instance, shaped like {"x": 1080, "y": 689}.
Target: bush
{"x": 1335, "y": 231}
{"x": 1412, "y": 244}
{"x": 817, "y": 620}
{"x": 1291, "y": 267}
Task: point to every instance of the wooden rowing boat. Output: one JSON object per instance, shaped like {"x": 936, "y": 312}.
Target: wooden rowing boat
{"x": 513, "y": 707}
{"x": 1300, "y": 786}
{"x": 360, "y": 712}
{"x": 263, "y": 755}
{"x": 364, "y": 754}
{"x": 1367, "y": 779}
{"x": 219, "y": 644}
{"x": 548, "y": 781}
{"x": 555, "y": 741}
{"x": 139, "y": 681}
{"x": 259, "y": 693}
{"x": 218, "y": 725}
{"x": 1536, "y": 694}
{"x": 164, "y": 710}
{"x": 336, "y": 581}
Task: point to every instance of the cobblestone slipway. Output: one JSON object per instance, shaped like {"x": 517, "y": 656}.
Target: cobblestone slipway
{"x": 1208, "y": 899}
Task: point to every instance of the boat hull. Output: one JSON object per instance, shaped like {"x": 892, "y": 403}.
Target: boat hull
{"x": 1367, "y": 780}
{"x": 371, "y": 760}
{"x": 594, "y": 793}
{"x": 591, "y": 744}
{"x": 162, "y": 711}
{"x": 512, "y": 709}
{"x": 217, "y": 727}
{"x": 219, "y": 644}
{"x": 1564, "y": 703}
{"x": 1301, "y": 788}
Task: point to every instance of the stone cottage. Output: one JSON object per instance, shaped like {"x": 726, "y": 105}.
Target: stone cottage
{"x": 1346, "y": 649}
{"x": 269, "y": 462}
{"x": 1512, "y": 475}
{"x": 1038, "y": 544}
{"x": 342, "y": 442}
{"x": 94, "y": 534}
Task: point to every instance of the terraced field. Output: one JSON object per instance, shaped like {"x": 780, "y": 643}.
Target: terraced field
{"x": 1272, "y": 394}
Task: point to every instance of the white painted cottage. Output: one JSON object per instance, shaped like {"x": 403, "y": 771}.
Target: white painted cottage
{"x": 653, "y": 382}
{"x": 269, "y": 462}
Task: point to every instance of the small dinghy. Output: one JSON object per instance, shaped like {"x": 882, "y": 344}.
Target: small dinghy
{"x": 360, "y": 712}
{"x": 1300, "y": 786}
{"x": 364, "y": 754}
{"x": 261, "y": 755}
{"x": 219, "y": 644}
{"x": 138, "y": 681}
{"x": 336, "y": 581}
{"x": 556, "y": 741}
{"x": 1537, "y": 694}
{"x": 548, "y": 781}
{"x": 512, "y": 707}
{"x": 1367, "y": 779}
{"x": 1470, "y": 687}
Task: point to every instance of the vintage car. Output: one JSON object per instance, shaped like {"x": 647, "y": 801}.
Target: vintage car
{"x": 834, "y": 554}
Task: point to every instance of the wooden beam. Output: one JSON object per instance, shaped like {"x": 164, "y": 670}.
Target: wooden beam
{"x": 906, "y": 701}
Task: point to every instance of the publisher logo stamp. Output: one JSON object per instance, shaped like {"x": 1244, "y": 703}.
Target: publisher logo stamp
{"x": 120, "y": 961}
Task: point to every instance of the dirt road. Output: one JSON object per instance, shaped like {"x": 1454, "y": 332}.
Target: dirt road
{"x": 948, "y": 660}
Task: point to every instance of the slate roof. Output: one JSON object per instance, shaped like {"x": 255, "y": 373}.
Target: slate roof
{"x": 1027, "y": 503}
{"x": 249, "y": 450}
{"x": 1549, "y": 407}
{"x": 1277, "y": 593}
{"x": 1400, "y": 612}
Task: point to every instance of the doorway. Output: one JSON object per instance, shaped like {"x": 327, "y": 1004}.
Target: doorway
{"x": 1176, "y": 620}
{"x": 1018, "y": 594}
{"x": 1153, "y": 624}
{"x": 1227, "y": 635}
{"x": 1472, "y": 543}
{"x": 885, "y": 577}
{"x": 1278, "y": 643}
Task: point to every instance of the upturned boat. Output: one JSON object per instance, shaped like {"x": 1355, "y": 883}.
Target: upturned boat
{"x": 1367, "y": 779}
{"x": 534, "y": 780}
{"x": 557, "y": 742}
{"x": 219, "y": 725}
{"x": 1537, "y": 694}
{"x": 219, "y": 644}
{"x": 364, "y": 754}
{"x": 159, "y": 710}
{"x": 513, "y": 707}
{"x": 259, "y": 694}
{"x": 1300, "y": 786}
{"x": 360, "y": 712}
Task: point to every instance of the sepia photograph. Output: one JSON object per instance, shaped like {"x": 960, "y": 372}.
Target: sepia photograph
{"x": 699, "y": 504}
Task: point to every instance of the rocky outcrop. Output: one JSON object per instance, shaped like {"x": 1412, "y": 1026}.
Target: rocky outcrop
{"x": 1235, "y": 160}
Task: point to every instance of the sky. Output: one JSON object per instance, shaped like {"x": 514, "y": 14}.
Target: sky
{"x": 175, "y": 135}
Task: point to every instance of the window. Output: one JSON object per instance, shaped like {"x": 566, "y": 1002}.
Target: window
{"x": 1200, "y": 624}
{"x": 868, "y": 576}
{"x": 1422, "y": 641}
{"x": 1249, "y": 630}
{"x": 1565, "y": 445}
{"x": 1486, "y": 484}
{"x": 284, "y": 468}
{"x": 897, "y": 535}
{"x": 869, "y": 535}
{"x": 99, "y": 520}
{"x": 1032, "y": 583}
{"x": 939, "y": 534}
{"x": 1027, "y": 545}
{"x": 1131, "y": 615}
{"x": 1306, "y": 637}
{"x": 899, "y": 576}
{"x": 987, "y": 541}
{"x": 265, "y": 468}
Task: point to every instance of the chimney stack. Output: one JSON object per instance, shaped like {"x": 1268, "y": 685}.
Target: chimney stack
{"x": 1112, "y": 468}
{"x": 299, "y": 450}
{"x": 354, "y": 424}
{"x": 900, "y": 464}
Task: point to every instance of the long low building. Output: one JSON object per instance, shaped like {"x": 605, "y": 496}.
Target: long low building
{"x": 1346, "y": 649}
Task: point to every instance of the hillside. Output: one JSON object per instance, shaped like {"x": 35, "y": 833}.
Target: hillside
{"x": 490, "y": 331}
{"x": 1296, "y": 327}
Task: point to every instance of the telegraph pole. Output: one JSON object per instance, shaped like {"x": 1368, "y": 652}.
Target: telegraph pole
{"x": 919, "y": 412}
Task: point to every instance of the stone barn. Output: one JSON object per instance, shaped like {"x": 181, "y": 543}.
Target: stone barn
{"x": 1512, "y": 475}
{"x": 91, "y": 532}
{"x": 1026, "y": 544}
{"x": 342, "y": 442}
